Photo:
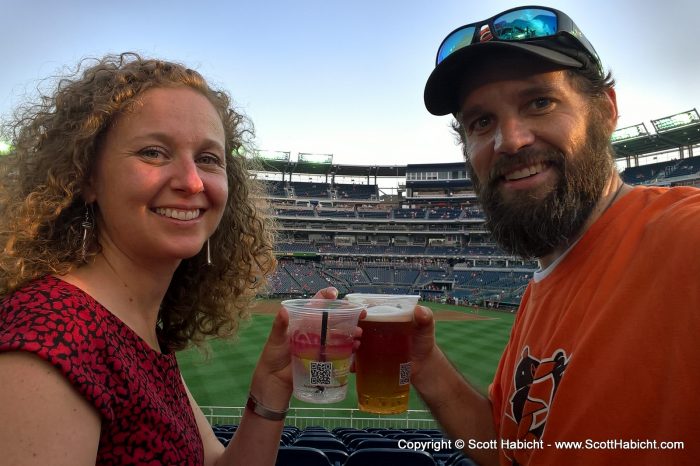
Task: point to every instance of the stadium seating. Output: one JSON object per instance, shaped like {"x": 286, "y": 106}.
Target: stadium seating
{"x": 306, "y": 456}
{"x": 687, "y": 167}
{"x": 444, "y": 213}
{"x": 387, "y": 440}
{"x": 337, "y": 213}
{"x": 296, "y": 213}
{"x": 356, "y": 191}
{"x": 310, "y": 190}
{"x": 389, "y": 456}
{"x": 329, "y": 442}
{"x": 374, "y": 214}
{"x": 649, "y": 173}
{"x": 275, "y": 188}
{"x": 379, "y": 274}
{"x": 470, "y": 285}
{"x": 410, "y": 213}
{"x": 354, "y": 446}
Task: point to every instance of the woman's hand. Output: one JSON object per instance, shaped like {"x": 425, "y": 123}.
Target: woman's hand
{"x": 272, "y": 379}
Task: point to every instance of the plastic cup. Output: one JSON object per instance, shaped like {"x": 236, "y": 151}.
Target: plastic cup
{"x": 321, "y": 341}
{"x": 383, "y": 361}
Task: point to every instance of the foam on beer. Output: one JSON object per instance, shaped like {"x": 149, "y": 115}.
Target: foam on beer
{"x": 383, "y": 313}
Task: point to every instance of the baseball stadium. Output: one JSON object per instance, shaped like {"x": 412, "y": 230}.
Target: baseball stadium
{"x": 412, "y": 229}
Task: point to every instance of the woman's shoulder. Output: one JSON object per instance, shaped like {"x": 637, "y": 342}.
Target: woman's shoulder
{"x": 46, "y": 307}
{"x": 64, "y": 326}
{"x": 48, "y": 293}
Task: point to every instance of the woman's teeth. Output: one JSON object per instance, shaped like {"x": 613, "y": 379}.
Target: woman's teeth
{"x": 178, "y": 214}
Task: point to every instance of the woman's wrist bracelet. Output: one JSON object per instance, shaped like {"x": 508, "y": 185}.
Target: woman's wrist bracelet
{"x": 263, "y": 411}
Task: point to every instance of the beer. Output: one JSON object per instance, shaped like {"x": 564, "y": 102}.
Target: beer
{"x": 382, "y": 363}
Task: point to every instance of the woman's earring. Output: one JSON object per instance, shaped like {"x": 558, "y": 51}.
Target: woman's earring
{"x": 87, "y": 227}
{"x": 208, "y": 253}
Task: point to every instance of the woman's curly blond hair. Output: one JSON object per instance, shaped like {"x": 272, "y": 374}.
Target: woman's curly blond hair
{"x": 55, "y": 143}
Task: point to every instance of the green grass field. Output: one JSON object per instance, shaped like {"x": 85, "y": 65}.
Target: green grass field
{"x": 474, "y": 347}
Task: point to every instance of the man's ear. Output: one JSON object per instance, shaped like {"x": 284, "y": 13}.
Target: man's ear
{"x": 611, "y": 104}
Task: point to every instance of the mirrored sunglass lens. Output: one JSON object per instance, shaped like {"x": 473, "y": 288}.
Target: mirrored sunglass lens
{"x": 525, "y": 24}
{"x": 454, "y": 42}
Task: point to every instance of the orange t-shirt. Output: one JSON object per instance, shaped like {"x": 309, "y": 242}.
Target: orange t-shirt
{"x": 605, "y": 350}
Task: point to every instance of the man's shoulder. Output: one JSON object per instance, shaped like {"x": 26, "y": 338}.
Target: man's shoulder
{"x": 668, "y": 195}
{"x": 677, "y": 206}
{"x": 669, "y": 218}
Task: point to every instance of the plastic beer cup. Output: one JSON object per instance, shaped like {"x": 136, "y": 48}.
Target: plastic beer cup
{"x": 383, "y": 361}
{"x": 321, "y": 341}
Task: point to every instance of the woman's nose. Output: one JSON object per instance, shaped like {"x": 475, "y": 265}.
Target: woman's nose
{"x": 186, "y": 177}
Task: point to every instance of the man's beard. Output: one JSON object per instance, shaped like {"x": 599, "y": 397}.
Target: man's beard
{"x": 531, "y": 227}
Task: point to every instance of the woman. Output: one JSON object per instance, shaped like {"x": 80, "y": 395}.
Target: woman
{"x": 129, "y": 232}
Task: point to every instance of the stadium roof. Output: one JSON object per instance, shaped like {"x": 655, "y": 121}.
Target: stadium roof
{"x": 672, "y": 132}
{"x": 436, "y": 166}
{"x": 290, "y": 166}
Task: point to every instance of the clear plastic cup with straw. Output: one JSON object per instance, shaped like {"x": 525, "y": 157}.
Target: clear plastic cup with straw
{"x": 321, "y": 341}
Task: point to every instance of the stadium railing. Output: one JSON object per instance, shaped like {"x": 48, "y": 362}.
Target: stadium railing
{"x": 331, "y": 418}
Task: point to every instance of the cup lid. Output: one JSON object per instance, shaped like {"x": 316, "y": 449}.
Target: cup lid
{"x": 319, "y": 306}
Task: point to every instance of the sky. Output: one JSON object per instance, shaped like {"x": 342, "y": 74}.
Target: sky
{"x": 341, "y": 77}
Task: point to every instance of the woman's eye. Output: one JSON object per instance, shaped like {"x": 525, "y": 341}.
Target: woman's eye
{"x": 151, "y": 153}
{"x": 210, "y": 159}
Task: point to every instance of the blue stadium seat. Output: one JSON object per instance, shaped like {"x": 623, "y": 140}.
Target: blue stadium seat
{"x": 316, "y": 433}
{"x": 387, "y": 456}
{"x": 339, "y": 431}
{"x": 225, "y": 435}
{"x": 408, "y": 436}
{"x": 384, "y": 431}
{"x": 336, "y": 457}
{"x": 306, "y": 456}
{"x": 347, "y": 437}
{"x": 330, "y": 443}
{"x": 431, "y": 432}
{"x": 458, "y": 459}
{"x": 353, "y": 442}
{"x": 387, "y": 443}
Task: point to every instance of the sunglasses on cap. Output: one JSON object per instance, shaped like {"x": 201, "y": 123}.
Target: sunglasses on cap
{"x": 541, "y": 26}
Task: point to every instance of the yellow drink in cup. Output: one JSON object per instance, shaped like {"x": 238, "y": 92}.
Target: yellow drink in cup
{"x": 383, "y": 362}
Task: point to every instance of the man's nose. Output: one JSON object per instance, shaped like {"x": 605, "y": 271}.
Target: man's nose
{"x": 512, "y": 135}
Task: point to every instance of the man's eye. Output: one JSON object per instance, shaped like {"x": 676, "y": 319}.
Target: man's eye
{"x": 480, "y": 124}
{"x": 483, "y": 122}
{"x": 541, "y": 102}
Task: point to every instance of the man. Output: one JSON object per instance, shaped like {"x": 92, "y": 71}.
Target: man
{"x": 603, "y": 350}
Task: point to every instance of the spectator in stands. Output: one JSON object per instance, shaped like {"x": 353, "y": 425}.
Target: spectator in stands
{"x": 129, "y": 232}
{"x": 604, "y": 346}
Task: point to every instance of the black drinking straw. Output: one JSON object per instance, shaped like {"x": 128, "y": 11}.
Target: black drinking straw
{"x": 324, "y": 331}
{"x": 322, "y": 349}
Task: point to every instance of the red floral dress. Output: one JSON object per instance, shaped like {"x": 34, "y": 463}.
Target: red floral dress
{"x": 138, "y": 392}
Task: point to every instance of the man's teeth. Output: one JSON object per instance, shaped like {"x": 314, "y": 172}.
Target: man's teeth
{"x": 178, "y": 214}
{"x": 524, "y": 172}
